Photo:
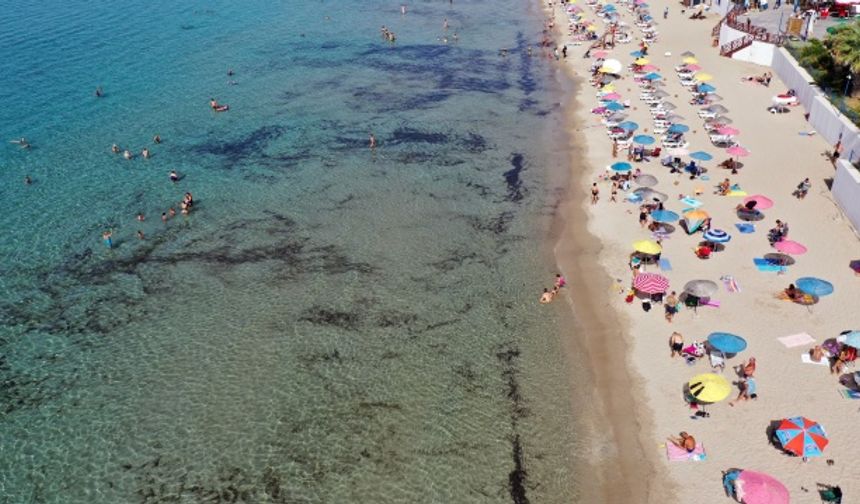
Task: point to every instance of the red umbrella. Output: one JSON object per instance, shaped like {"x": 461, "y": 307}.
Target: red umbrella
{"x": 761, "y": 202}
{"x": 650, "y": 283}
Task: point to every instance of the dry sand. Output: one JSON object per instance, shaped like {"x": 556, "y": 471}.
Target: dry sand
{"x": 639, "y": 388}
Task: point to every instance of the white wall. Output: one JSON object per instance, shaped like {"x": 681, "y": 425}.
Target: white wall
{"x": 721, "y": 7}
{"x": 760, "y": 53}
{"x": 728, "y": 34}
{"x": 846, "y": 191}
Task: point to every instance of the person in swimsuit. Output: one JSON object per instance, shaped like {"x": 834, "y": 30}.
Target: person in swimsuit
{"x": 174, "y": 177}
{"x": 671, "y": 306}
{"x": 145, "y": 153}
{"x": 27, "y": 180}
{"x": 115, "y": 149}
{"x": 157, "y": 139}
{"x": 684, "y": 441}
{"x": 127, "y": 154}
{"x": 547, "y": 296}
{"x": 107, "y": 237}
{"x": 748, "y": 390}
{"x": 595, "y": 193}
{"x": 560, "y": 281}
{"x": 676, "y": 343}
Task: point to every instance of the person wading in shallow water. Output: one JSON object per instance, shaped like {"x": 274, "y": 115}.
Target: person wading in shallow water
{"x": 372, "y": 141}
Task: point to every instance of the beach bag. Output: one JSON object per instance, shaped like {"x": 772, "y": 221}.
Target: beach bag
{"x": 646, "y": 306}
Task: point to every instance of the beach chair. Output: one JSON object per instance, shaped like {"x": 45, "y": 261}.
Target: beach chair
{"x": 718, "y": 360}
{"x": 706, "y": 114}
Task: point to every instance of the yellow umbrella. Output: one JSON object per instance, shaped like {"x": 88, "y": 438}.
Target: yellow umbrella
{"x": 647, "y": 247}
{"x": 608, "y": 87}
{"x": 591, "y": 27}
{"x": 696, "y": 215}
{"x": 642, "y": 61}
{"x": 709, "y": 387}
{"x": 703, "y": 77}
{"x": 689, "y": 60}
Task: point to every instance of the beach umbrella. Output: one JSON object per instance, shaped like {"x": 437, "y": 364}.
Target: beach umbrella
{"x": 701, "y": 156}
{"x": 703, "y": 77}
{"x": 692, "y": 67}
{"x": 758, "y": 488}
{"x": 609, "y": 7}
{"x": 716, "y": 236}
{"x": 711, "y": 98}
{"x": 592, "y": 28}
{"x": 728, "y": 130}
{"x": 611, "y": 66}
{"x": 649, "y": 68}
{"x": 637, "y": 54}
{"x": 643, "y": 139}
{"x": 674, "y": 117}
{"x": 853, "y": 339}
{"x": 664, "y": 216}
{"x": 614, "y": 106}
{"x": 653, "y": 76}
{"x": 642, "y": 61}
{"x": 718, "y": 109}
{"x": 650, "y": 283}
{"x": 737, "y": 151}
{"x": 706, "y": 88}
{"x": 611, "y": 96}
{"x": 608, "y": 87}
{"x": 814, "y": 286}
{"x": 599, "y": 54}
{"x": 709, "y": 388}
{"x": 802, "y": 437}
{"x": 660, "y": 94}
{"x": 650, "y": 194}
{"x": 688, "y": 54}
{"x": 678, "y": 151}
{"x": 720, "y": 119}
{"x": 646, "y": 180}
{"x": 628, "y": 126}
{"x": 678, "y": 128}
{"x": 727, "y": 342}
{"x": 690, "y": 60}
{"x": 621, "y": 166}
{"x": 617, "y": 116}
{"x": 668, "y": 106}
{"x": 647, "y": 247}
{"x": 694, "y": 220}
{"x": 761, "y": 202}
{"x": 790, "y": 247}
{"x": 700, "y": 288}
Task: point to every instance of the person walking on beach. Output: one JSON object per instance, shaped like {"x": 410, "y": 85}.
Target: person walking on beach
{"x": 671, "y": 307}
{"x": 747, "y": 390}
{"x": 595, "y": 193}
{"x": 666, "y": 13}
{"x": 643, "y": 217}
{"x": 802, "y": 189}
{"x": 564, "y": 51}
{"x": 614, "y": 193}
{"x": 676, "y": 344}
{"x": 614, "y": 148}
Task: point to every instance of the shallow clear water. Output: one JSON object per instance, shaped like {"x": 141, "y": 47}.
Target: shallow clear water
{"x": 330, "y": 324}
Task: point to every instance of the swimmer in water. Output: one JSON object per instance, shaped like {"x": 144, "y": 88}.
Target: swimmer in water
{"x": 372, "y": 141}
{"x": 115, "y": 149}
{"x": 107, "y": 237}
{"x": 157, "y": 139}
{"x": 99, "y": 92}
{"x": 27, "y": 180}
{"x": 127, "y": 154}
{"x": 164, "y": 217}
{"x": 23, "y": 143}
{"x": 174, "y": 177}
{"x": 145, "y": 153}
{"x": 213, "y": 103}
{"x": 171, "y": 212}
{"x": 140, "y": 217}
{"x": 140, "y": 235}
{"x": 230, "y": 72}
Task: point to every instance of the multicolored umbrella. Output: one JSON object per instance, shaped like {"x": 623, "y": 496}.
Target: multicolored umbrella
{"x": 647, "y": 247}
{"x": 758, "y": 488}
{"x": 727, "y": 342}
{"x": 814, "y": 286}
{"x": 664, "y": 216}
{"x": 761, "y": 202}
{"x": 709, "y": 388}
{"x": 802, "y": 437}
{"x": 650, "y": 283}
{"x": 716, "y": 236}
{"x": 790, "y": 247}
{"x": 621, "y": 166}
{"x": 694, "y": 220}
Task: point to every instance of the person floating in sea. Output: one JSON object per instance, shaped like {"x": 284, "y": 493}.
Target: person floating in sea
{"x": 174, "y": 177}
{"x": 115, "y": 149}
{"x": 22, "y": 143}
{"x": 156, "y": 139}
{"x": 145, "y": 153}
{"x": 140, "y": 235}
{"x": 217, "y": 107}
{"x": 140, "y": 217}
{"x": 99, "y": 92}
{"x": 107, "y": 237}
{"x": 127, "y": 154}
{"x": 27, "y": 180}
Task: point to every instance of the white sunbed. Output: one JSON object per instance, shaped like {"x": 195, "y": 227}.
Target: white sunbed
{"x": 718, "y": 360}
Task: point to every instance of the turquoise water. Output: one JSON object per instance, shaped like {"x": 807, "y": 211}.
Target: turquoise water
{"x": 330, "y": 323}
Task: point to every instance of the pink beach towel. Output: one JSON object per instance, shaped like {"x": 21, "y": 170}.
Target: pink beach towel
{"x": 796, "y": 340}
{"x": 677, "y": 454}
{"x": 713, "y": 303}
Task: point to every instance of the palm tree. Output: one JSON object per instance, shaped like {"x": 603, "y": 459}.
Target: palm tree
{"x": 817, "y": 58}
{"x": 844, "y": 42}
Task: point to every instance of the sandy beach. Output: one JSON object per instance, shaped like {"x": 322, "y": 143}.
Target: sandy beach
{"x": 639, "y": 387}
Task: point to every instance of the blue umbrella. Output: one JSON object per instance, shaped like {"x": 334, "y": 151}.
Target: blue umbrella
{"x": 621, "y": 166}
{"x": 706, "y": 88}
{"x": 853, "y": 339}
{"x": 814, "y": 286}
{"x": 608, "y": 8}
{"x": 614, "y": 106}
{"x": 664, "y": 216}
{"x": 628, "y": 125}
{"x": 679, "y": 128}
{"x": 701, "y": 156}
{"x": 726, "y": 342}
{"x": 716, "y": 236}
{"x": 653, "y": 76}
{"x": 643, "y": 139}
{"x": 637, "y": 54}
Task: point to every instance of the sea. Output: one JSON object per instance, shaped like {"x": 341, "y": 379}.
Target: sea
{"x": 330, "y": 323}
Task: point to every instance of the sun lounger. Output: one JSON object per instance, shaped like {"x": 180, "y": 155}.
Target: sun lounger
{"x": 796, "y": 340}
{"x": 849, "y": 394}
{"x": 718, "y": 360}
{"x": 678, "y": 454}
{"x": 807, "y": 359}
{"x": 763, "y": 264}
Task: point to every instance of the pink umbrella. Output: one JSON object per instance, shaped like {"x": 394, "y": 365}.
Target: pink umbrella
{"x": 790, "y": 247}
{"x": 611, "y": 96}
{"x": 761, "y": 202}
{"x": 737, "y": 151}
{"x": 599, "y": 54}
{"x": 692, "y": 67}
{"x": 649, "y": 68}
{"x": 759, "y": 488}
{"x": 728, "y": 130}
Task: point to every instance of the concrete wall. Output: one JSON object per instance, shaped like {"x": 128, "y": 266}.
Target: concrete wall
{"x": 846, "y": 191}
{"x": 760, "y": 53}
{"x": 728, "y": 34}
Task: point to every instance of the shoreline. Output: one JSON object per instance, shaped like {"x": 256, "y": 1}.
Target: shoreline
{"x": 577, "y": 250}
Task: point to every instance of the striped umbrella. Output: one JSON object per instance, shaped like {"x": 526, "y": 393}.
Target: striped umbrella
{"x": 802, "y": 437}
{"x": 717, "y": 236}
{"x": 650, "y": 283}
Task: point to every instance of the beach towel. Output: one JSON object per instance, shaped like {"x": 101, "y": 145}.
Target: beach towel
{"x": 763, "y": 264}
{"x": 665, "y": 265}
{"x": 806, "y": 133}
{"x": 745, "y": 227}
{"x": 736, "y": 193}
{"x": 730, "y": 283}
{"x": 713, "y": 303}
{"x": 850, "y": 394}
{"x": 678, "y": 454}
{"x": 796, "y": 340}
{"x": 807, "y": 359}
{"x": 691, "y": 202}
